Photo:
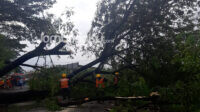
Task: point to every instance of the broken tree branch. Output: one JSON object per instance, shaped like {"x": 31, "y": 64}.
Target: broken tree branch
{"x": 32, "y": 66}
{"x": 37, "y": 52}
{"x": 85, "y": 100}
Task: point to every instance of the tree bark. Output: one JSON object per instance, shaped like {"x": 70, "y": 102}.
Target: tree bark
{"x": 100, "y": 59}
{"x": 84, "y": 100}
{"x": 37, "y": 52}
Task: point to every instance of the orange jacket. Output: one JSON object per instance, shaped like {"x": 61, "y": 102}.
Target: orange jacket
{"x": 8, "y": 81}
{"x": 64, "y": 83}
{"x": 100, "y": 82}
{"x": 1, "y": 82}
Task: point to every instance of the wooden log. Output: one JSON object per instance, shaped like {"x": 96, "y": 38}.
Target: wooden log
{"x": 36, "y": 52}
{"x": 85, "y": 100}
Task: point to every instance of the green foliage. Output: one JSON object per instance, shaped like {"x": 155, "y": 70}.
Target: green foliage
{"x": 184, "y": 95}
{"x": 86, "y": 90}
{"x": 174, "y": 74}
{"x": 46, "y": 79}
{"x": 9, "y": 49}
{"x": 132, "y": 86}
{"x": 140, "y": 87}
{"x": 25, "y": 13}
{"x": 51, "y": 104}
{"x": 188, "y": 46}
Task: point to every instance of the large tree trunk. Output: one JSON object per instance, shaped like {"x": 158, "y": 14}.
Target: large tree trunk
{"x": 10, "y": 98}
{"x": 100, "y": 59}
{"x": 32, "y": 95}
{"x": 37, "y": 52}
{"x": 85, "y": 100}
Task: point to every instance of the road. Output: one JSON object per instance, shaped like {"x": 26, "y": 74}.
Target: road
{"x": 90, "y": 107}
{"x": 15, "y": 89}
{"x": 86, "y": 107}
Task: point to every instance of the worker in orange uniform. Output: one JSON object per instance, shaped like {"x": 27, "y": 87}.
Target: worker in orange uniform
{"x": 64, "y": 85}
{"x": 99, "y": 81}
{"x": 116, "y": 78}
{"x": 8, "y": 83}
{"x": 100, "y": 87}
{"x": 1, "y": 83}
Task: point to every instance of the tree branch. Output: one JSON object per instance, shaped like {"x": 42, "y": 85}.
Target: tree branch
{"x": 27, "y": 65}
{"x": 100, "y": 59}
{"x": 37, "y": 52}
{"x": 81, "y": 101}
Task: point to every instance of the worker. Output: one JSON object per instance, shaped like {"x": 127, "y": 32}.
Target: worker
{"x": 21, "y": 82}
{"x": 1, "y": 83}
{"x": 100, "y": 87}
{"x": 8, "y": 82}
{"x": 116, "y": 78}
{"x": 64, "y": 85}
{"x": 12, "y": 80}
{"x": 99, "y": 81}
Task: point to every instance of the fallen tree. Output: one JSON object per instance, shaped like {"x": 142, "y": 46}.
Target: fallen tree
{"x": 12, "y": 97}
{"x": 105, "y": 55}
{"x": 36, "y": 52}
{"x": 15, "y": 97}
{"x": 85, "y": 100}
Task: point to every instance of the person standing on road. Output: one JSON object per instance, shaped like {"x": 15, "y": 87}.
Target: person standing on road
{"x": 12, "y": 81}
{"x": 100, "y": 86}
{"x": 99, "y": 81}
{"x": 64, "y": 85}
{"x": 116, "y": 78}
{"x": 2, "y": 83}
{"x": 8, "y": 82}
{"x": 21, "y": 82}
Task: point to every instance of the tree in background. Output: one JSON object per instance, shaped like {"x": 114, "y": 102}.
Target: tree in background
{"x": 22, "y": 19}
{"x": 26, "y": 20}
{"x": 9, "y": 50}
{"x": 148, "y": 30}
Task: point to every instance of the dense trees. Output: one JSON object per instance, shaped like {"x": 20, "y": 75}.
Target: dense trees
{"x": 8, "y": 49}
{"x": 147, "y": 28}
{"x": 137, "y": 24}
{"x": 161, "y": 38}
{"x": 21, "y": 18}
{"x": 25, "y": 21}
{"x": 154, "y": 44}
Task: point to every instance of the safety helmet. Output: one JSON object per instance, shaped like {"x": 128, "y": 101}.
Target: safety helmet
{"x": 64, "y": 75}
{"x": 116, "y": 73}
{"x": 98, "y": 75}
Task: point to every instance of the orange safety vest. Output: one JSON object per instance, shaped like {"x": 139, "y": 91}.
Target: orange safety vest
{"x": 1, "y": 82}
{"x": 100, "y": 82}
{"x": 64, "y": 83}
{"x": 8, "y": 82}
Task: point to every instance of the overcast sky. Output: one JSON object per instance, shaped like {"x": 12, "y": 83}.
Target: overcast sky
{"x": 84, "y": 12}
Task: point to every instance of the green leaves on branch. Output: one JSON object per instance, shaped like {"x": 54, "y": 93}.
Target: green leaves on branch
{"x": 9, "y": 49}
{"x": 188, "y": 52}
